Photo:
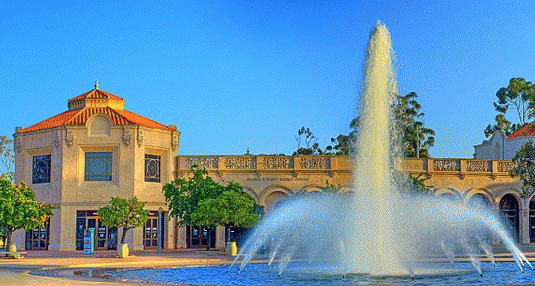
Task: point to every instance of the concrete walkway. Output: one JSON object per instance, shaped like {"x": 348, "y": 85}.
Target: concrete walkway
{"x": 16, "y": 271}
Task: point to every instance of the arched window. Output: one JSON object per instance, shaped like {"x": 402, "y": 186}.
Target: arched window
{"x": 510, "y": 212}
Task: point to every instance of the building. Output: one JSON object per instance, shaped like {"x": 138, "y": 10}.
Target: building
{"x": 96, "y": 150}
{"x": 504, "y": 147}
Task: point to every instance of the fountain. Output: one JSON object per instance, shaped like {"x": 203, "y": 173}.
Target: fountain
{"x": 379, "y": 233}
{"x": 378, "y": 230}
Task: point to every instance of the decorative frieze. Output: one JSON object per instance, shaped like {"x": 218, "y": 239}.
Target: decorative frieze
{"x": 316, "y": 163}
{"x": 478, "y": 166}
{"x": 505, "y": 167}
{"x": 278, "y": 163}
{"x": 245, "y": 162}
{"x": 203, "y": 162}
{"x": 446, "y": 165}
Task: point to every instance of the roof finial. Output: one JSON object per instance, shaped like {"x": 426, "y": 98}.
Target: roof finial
{"x": 96, "y": 84}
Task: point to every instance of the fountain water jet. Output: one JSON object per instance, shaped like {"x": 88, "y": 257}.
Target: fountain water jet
{"x": 378, "y": 230}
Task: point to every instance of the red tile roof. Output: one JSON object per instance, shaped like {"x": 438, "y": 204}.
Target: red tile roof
{"x": 96, "y": 94}
{"x": 79, "y": 117}
{"x": 526, "y": 130}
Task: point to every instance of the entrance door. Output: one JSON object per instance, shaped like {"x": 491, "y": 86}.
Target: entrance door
{"x": 105, "y": 238}
{"x": 198, "y": 236}
{"x": 150, "y": 231}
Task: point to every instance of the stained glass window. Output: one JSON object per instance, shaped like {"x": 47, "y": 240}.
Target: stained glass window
{"x": 41, "y": 169}
{"x": 98, "y": 166}
{"x": 152, "y": 168}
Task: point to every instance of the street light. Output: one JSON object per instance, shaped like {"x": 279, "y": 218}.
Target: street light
{"x": 159, "y": 250}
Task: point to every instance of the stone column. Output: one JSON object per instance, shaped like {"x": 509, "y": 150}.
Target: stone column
{"x": 524, "y": 225}
{"x": 181, "y": 238}
{"x": 135, "y": 239}
{"x": 220, "y": 238}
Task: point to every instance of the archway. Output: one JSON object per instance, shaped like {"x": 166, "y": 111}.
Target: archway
{"x": 509, "y": 210}
{"x": 482, "y": 202}
{"x": 479, "y": 200}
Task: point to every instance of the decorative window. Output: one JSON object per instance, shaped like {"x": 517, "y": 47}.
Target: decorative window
{"x": 152, "y": 168}
{"x": 98, "y": 166}
{"x": 41, "y": 169}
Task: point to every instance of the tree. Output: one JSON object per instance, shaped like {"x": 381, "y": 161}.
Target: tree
{"x": 231, "y": 208}
{"x": 519, "y": 95}
{"x": 201, "y": 201}
{"x": 344, "y": 144}
{"x": 311, "y": 146}
{"x": 19, "y": 208}
{"x": 417, "y": 139}
{"x": 183, "y": 195}
{"x": 123, "y": 213}
{"x": 7, "y": 157}
{"x": 524, "y": 167}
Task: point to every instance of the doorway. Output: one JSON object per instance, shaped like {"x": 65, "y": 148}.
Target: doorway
{"x": 105, "y": 238}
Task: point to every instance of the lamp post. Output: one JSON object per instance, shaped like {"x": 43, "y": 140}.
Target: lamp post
{"x": 159, "y": 250}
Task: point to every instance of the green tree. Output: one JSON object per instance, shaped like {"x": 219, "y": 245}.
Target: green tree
{"x": 7, "y": 158}
{"x": 417, "y": 139}
{"x": 123, "y": 213}
{"x": 231, "y": 208}
{"x": 19, "y": 208}
{"x": 201, "y": 201}
{"x": 183, "y": 195}
{"x": 524, "y": 167}
{"x": 519, "y": 95}
{"x": 344, "y": 144}
{"x": 310, "y": 147}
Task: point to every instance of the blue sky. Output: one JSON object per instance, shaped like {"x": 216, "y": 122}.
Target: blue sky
{"x": 248, "y": 74}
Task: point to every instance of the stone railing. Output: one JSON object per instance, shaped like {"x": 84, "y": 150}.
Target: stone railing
{"x": 457, "y": 166}
{"x": 331, "y": 164}
{"x": 260, "y": 163}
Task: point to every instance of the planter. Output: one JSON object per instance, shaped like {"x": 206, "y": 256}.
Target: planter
{"x": 232, "y": 249}
{"x": 122, "y": 250}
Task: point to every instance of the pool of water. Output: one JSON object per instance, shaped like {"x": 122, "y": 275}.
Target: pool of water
{"x": 324, "y": 274}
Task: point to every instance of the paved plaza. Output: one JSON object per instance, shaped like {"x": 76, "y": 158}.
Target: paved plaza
{"x": 17, "y": 272}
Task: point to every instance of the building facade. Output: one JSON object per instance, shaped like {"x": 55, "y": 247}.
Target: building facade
{"x": 96, "y": 150}
{"x": 504, "y": 147}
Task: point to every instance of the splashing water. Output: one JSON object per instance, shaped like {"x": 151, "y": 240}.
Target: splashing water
{"x": 378, "y": 229}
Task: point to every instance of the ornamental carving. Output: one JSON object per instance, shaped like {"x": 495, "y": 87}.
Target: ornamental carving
{"x": 127, "y": 136}
{"x": 174, "y": 142}
{"x": 203, "y": 162}
{"x": 57, "y": 139}
{"x": 505, "y": 166}
{"x": 18, "y": 144}
{"x": 69, "y": 138}
{"x": 478, "y": 166}
{"x": 278, "y": 163}
{"x": 315, "y": 163}
{"x": 247, "y": 162}
{"x": 140, "y": 136}
{"x": 445, "y": 165}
